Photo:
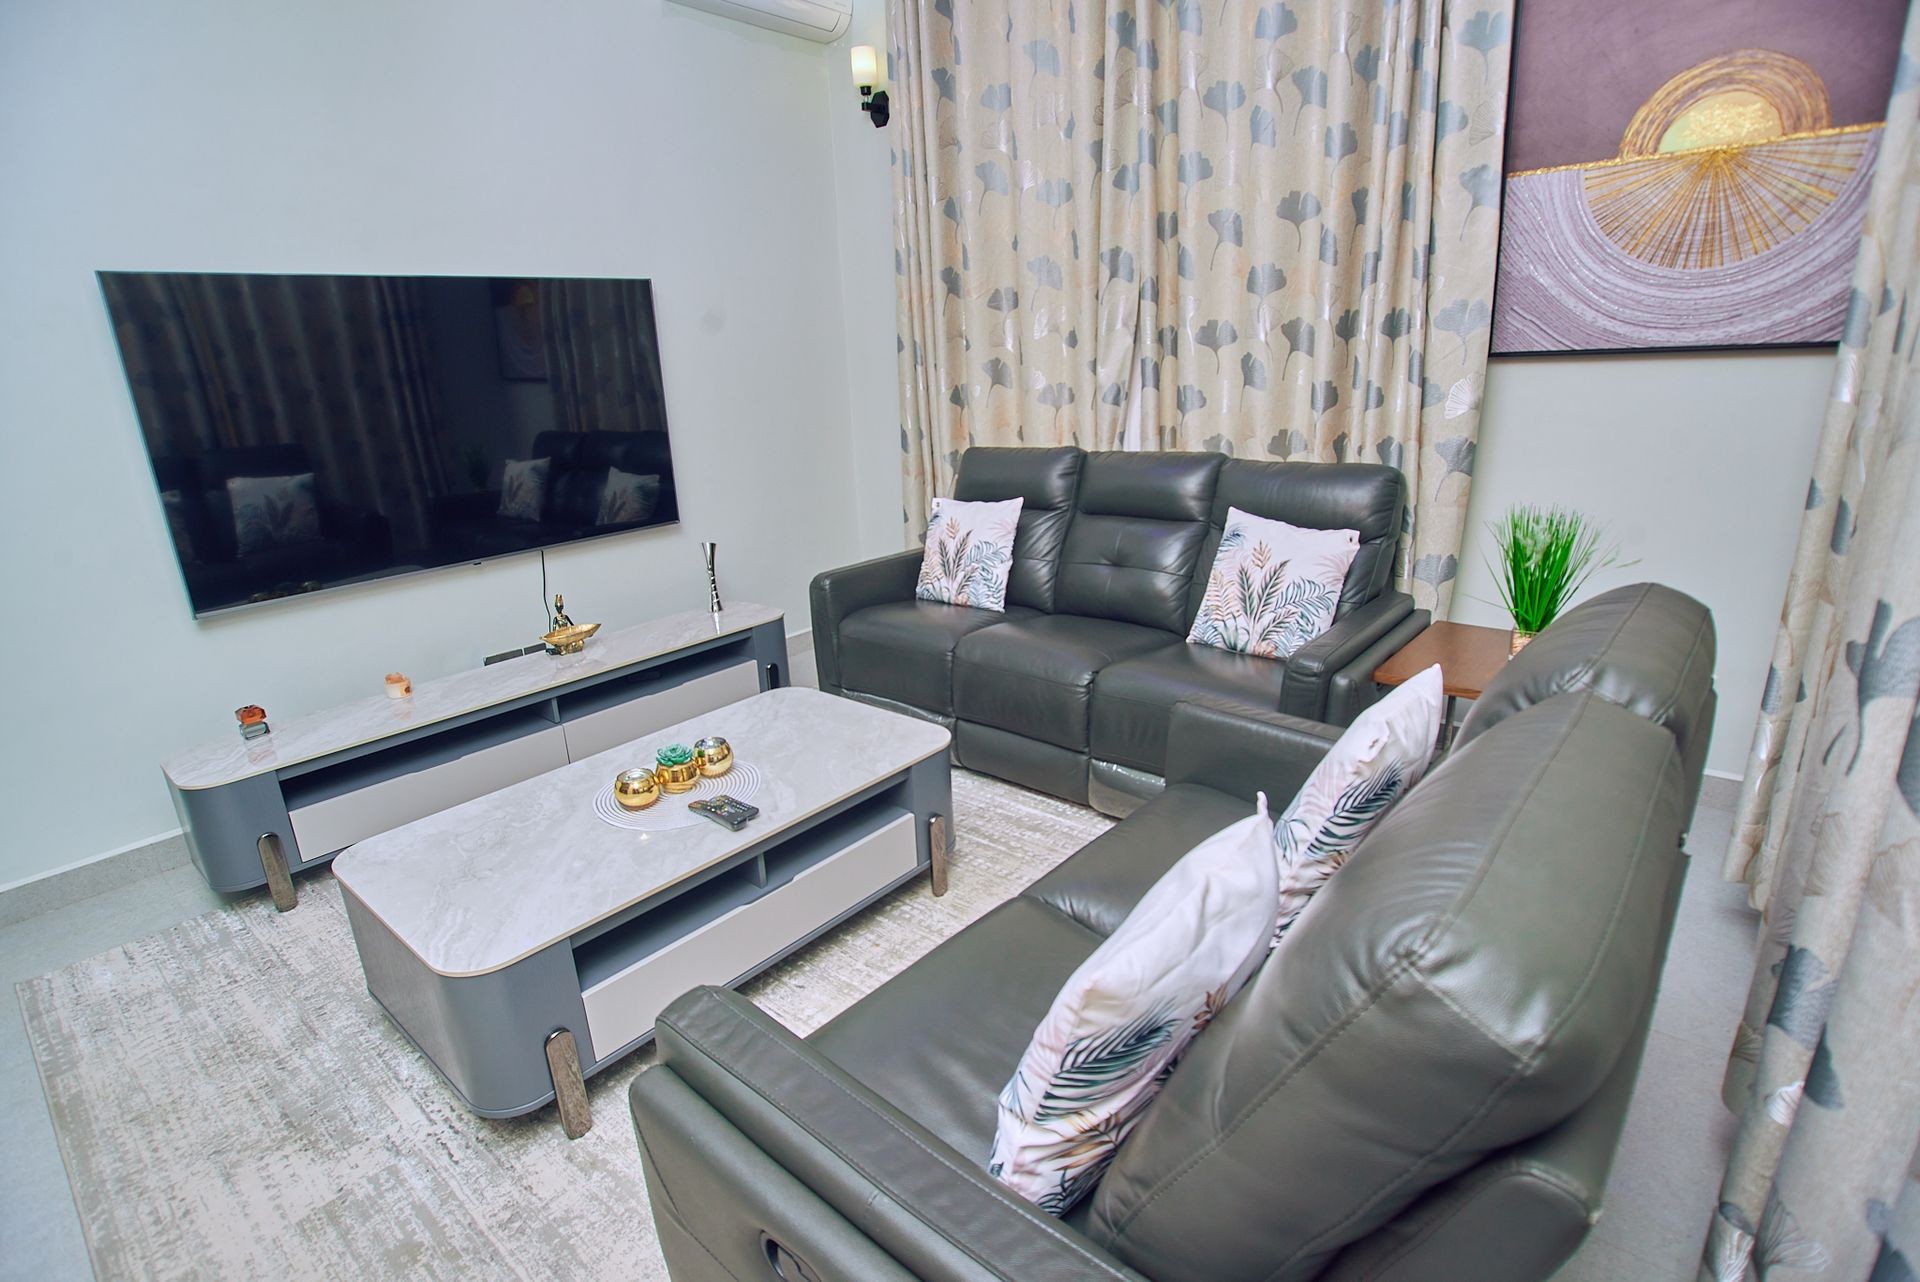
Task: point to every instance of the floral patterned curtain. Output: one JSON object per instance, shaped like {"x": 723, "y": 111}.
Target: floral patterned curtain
{"x": 1267, "y": 229}
{"x": 1825, "y": 1069}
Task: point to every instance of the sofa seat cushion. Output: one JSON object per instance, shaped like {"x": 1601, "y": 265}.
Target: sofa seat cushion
{"x": 1099, "y": 886}
{"x": 1132, "y": 699}
{"x": 939, "y": 1040}
{"x": 1034, "y": 676}
{"x": 903, "y": 650}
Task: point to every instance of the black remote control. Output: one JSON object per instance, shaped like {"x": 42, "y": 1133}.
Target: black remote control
{"x": 725, "y": 811}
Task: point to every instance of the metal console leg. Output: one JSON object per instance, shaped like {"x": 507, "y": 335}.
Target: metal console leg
{"x": 273, "y": 860}
{"x": 940, "y": 846}
{"x": 569, "y": 1087}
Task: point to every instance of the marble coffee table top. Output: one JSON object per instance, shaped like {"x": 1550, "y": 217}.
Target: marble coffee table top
{"x": 319, "y": 734}
{"x": 496, "y": 879}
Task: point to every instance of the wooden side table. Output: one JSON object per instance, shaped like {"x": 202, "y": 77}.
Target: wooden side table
{"x": 1470, "y": 657}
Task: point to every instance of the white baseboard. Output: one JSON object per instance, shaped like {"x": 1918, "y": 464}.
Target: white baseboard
{"x": 85, "y": 878}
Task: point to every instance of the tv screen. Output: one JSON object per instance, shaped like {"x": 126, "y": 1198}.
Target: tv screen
{"x": 312, "y": 431}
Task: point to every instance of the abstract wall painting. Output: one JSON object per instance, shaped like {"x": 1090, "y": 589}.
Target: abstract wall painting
{"x": 1688, "y": 175}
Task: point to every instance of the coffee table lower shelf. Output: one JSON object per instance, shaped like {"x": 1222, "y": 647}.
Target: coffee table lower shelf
{"x": 603, "y": 988}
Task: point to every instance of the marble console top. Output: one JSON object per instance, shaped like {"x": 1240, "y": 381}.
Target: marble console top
{"x": 319, "y": 734}
{"x": 494, "y": 880}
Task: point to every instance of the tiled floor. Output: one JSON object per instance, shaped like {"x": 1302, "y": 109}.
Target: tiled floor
{"x": 1664, "y": 1180}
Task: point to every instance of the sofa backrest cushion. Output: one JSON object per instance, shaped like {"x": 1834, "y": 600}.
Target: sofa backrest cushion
{"x": 1367, "y": 498}
{"x": 1645, "y": 647}
{"x": 1045, "y": 481}
{"x": 1134, "y": 543}
{"x": 1466, "y": 982}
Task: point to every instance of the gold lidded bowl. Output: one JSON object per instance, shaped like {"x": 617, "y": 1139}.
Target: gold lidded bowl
{"x": 676, "y": 767}
{"x": 636, "y": 789}
{"x": 714, "y": 754}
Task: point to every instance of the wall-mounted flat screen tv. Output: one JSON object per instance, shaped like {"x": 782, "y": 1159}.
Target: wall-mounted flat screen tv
{"x": 308, "y": 432}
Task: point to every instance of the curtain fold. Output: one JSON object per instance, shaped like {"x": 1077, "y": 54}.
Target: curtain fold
{"x": 1265, "y": 229}
{"x": 603, "y": 355}
{"x": 1825, "y": 1069}
{"x": 340, "y": 365}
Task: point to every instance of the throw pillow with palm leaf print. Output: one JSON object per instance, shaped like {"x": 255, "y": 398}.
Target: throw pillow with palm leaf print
{"x": 523, "y": 489}
{"x": 1114, "y": 1032}
{"x": 1379, "y": 757}
{"x": 1273, "y": 587}
{"x": 272, "y": 512}
{"x": 969, "y": 553}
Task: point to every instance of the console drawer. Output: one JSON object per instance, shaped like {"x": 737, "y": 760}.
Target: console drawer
{"x": 333, "y": 823}
{"x": 624, "y": 722}
{"x": 623, "y": 1006}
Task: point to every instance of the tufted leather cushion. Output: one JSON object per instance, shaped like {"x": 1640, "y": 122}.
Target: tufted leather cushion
{"x": 1367, "y": 498}
{"x": 1034, "y": 676}
{"x": 1133, "y": 699}
{"x": 1504, "y": 920}
{"x": 1135, "y": 539}
{"x": 1645, "y": 647}
{"x": 1045, "y": 481}
{"x": 903, "y": 650}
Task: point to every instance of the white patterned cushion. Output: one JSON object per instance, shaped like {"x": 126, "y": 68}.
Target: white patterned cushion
{"x": 1112, "y": 1035}
{"x": 523, "y": 489}
{"x": 1274, "y": 586}
{"x": 273, "y": 512}
{"x": 628, "y": 497}
{"x": 1381, "y": 755}
{"x": 969, "y": 553}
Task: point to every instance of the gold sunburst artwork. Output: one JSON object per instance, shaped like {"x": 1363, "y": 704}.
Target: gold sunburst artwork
{"x": 1706, "y": 198}
{"x": 1724, "y": 161}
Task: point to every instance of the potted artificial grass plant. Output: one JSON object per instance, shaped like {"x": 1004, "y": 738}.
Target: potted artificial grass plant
{"x": 1545, "y": 555}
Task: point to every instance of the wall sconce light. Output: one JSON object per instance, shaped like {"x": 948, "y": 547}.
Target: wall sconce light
{"x": 866, "y": 74}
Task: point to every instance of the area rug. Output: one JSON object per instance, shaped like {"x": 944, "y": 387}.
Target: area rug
{"x": 231, "y": 1104}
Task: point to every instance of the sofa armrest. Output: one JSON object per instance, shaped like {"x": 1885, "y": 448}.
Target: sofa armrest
{"x": 837, "y": 593}
{"x": 1352, "y": 689}
{"x": 1241, "y": 749}
{"x": 857, "y": 1173}
{"x": 1311, "y": 668}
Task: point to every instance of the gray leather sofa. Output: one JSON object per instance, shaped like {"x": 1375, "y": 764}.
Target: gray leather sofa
{"x": 1070, "y": 690}
{"x": 1427, "y": 1081}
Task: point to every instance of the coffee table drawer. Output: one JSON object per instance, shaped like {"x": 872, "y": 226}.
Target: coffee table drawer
{"x": 623, "y": 1007}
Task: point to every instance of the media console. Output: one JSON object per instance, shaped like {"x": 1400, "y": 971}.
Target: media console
{"x": 256, "y": 811}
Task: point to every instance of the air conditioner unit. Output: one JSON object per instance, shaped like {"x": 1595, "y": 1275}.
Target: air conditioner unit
{"x": 821, "y": 20}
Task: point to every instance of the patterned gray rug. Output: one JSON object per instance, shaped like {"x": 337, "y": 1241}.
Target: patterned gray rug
{"x": 231, "y": 1103}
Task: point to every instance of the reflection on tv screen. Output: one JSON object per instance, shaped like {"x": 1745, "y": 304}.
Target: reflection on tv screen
{"x": 312, "y": 431}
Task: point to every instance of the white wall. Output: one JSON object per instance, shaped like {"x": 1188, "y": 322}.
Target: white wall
{"x": 1697, "y": 463}
{"x": 863, "y": 173}
{"x": 596, "y": 137}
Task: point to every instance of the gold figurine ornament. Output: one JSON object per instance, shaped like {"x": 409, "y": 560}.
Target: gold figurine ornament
{"x": 567, "y": 637}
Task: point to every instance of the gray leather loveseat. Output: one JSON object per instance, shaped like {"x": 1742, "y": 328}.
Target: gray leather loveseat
{"x": 1070, "y": 690}
{"x": 1427, "y": 1080}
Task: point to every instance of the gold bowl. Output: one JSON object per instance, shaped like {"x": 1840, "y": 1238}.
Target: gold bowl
{"x": 714, "y": 755}
{"x": 571, "y": 639}
{"x": 636, "y": 789}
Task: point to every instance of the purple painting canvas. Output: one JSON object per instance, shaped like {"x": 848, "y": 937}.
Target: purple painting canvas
{"x": 1688, "y": 175}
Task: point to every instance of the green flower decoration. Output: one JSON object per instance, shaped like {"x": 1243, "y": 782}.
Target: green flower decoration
{"x": 674, "y": 754}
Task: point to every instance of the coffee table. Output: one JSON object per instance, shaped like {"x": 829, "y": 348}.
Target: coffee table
{"x": 523, "y": 942}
